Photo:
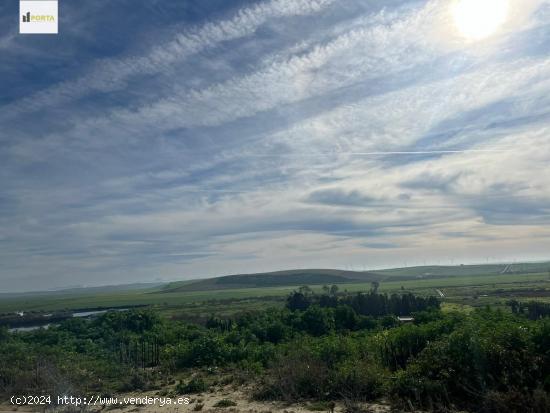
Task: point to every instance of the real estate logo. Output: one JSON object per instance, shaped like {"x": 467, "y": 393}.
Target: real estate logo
{"x": 38, "y": 16}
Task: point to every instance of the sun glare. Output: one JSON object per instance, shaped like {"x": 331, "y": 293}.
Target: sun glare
{"x": 478, "y": 19}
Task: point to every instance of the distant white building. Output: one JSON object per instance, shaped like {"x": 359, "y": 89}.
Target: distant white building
{"x": 405, "y": 319}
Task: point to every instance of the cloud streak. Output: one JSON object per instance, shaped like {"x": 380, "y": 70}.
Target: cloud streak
{"x": 113, "y": 74}
{"x": 277, "y": 135}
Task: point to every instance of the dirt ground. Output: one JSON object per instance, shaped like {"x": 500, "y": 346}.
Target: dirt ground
{"x": 208, "y": 402}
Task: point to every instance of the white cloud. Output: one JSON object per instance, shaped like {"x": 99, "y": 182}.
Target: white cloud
{"x": 111, "y": 74}
{"x": 220, "y": 179}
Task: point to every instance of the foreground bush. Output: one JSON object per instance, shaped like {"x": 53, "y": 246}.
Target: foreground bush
{"x": 491, "y": 361}
{"x": 331, "y": 367}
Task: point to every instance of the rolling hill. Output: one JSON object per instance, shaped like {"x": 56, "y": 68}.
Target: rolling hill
{"x": 444, "y": 271}
{"x": 330, "y": 276}
{"x": 275, "y": 279}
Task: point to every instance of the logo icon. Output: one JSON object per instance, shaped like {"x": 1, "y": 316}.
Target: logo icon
{"x": 38, "y": 16}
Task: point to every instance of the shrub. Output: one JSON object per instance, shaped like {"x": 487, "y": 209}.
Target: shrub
{"x": 294, "y": 376}
{"x": 317, "y": 321}
{"x": 492, "y": 360}
{"x": 225, "y": 403}
{"x": 359, "y": 380}
{"x": 516, "y": 401}
{"x": 195, "y": 385}
{"x": 138, "y": 381}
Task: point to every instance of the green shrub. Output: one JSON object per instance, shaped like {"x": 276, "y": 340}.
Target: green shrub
{"x": 225, "y": 403}
{"x": 492, "y": 360}
{"x": 317, "y": 321}
{"x": 137, "y": 381}
{"x": 294, "y": 376}
{"x": 358, "y": 380}
{"x": 195, "y": 385}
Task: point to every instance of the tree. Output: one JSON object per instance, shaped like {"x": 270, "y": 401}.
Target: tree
{"x": 328, "y": 301}
{"x": 317, "y": 321}
{"x": 345, "y": 318}
{"x": 514, "y": 306}
{"x": 297, "y": 301}
{"x": 4, "y": 333}
{"x": 334, "y": 289}
{"x": 305, "y": 290}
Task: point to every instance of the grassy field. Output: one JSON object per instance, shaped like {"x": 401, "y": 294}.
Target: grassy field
{"x": 460, "y": 285}
{"x": 467, "y": 270}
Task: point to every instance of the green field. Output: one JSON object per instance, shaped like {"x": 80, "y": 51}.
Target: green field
{"x": 470, "y": 285}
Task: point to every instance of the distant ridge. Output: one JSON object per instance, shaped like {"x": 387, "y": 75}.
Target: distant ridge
{"x": 444, "y": 271}
{"x": 274, "y": 279}
{"x": 331, "y": 276}
{"x": 299, "y": 277}
{"x": 85, "y": 290}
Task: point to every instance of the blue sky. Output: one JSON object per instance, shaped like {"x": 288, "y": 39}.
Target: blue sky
{"x": 174, "y": 140}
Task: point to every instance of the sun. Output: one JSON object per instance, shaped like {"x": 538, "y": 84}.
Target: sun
{"x": 479, "y": 19}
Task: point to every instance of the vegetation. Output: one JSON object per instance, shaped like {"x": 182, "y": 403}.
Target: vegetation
{"x": 225, "y": 403}
{"x": 273, "y": 279}
{"x": 320, "y": 343}
{"x": 475, "y": 285}
{"x": 533, "y": 309}
{"x": 195, "y": 385}
{"x": 319, "y": 347}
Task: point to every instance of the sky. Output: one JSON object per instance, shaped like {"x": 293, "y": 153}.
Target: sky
{"x": 171, "y": 139}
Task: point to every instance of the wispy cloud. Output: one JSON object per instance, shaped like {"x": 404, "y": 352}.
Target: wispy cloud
{"x": 281, "y": 134}
{"x": 114, "y": 73}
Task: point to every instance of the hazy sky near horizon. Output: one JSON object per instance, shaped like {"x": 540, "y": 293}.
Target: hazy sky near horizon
{"x": 171, "y": 139}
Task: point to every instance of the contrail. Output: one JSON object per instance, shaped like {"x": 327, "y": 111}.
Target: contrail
{"x": 223, "y": 191}
{"x": 379, "y": 153}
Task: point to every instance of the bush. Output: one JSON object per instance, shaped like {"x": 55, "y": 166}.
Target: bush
{"x": 294, "y": 376}
{"x": 491, "y": 361}
{"x": 359, "y": 380}
{"x": 516, "y": 401}
{"x": 317, "y": 321}
{"x": 225, "y": 403}
{"x": 195, "y": 385}
{"x": 330, "y": 366}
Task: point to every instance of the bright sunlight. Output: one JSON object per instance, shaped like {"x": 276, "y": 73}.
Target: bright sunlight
{"x": 477, "y": 19}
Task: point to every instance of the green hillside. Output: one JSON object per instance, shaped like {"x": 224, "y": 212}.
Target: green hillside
{"x": 460, "y": 283}
{"x": 443, "y": 271}
{"x": 330, "y": 276}
{"x": 274, "y": 279}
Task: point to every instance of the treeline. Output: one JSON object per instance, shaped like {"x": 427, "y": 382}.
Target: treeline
{"x": 31, "y": 318}
{"x": 339, "y": 346}
{"x": 368, "y": 304}
{"x": 320, "y": 314}
{"x": 534, "y": 310}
